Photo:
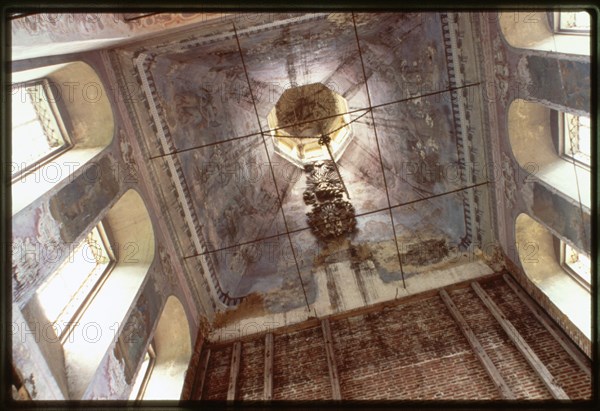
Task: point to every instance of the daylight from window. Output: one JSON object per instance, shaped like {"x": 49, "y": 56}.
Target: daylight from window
{"x": 578, "y": 264}
{"x": 574, "y": 21}
{"x": 35, "y": 132}
{"x": 69, "y": 288}
{"x": 143, "y": 375}
{"x": 577, "y": 138}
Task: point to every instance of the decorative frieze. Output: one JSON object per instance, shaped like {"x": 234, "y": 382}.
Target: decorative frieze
{"x": 130, "y": 166}
{"x": 508, "y": 175}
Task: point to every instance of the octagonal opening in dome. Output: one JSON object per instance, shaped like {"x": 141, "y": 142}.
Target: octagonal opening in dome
{"x": 301, "y": 116}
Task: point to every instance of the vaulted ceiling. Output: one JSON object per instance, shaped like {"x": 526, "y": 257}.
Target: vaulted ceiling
{"x": 236, "y": 207}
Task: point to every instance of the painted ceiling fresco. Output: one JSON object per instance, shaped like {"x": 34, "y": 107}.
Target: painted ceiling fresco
{"x": 210, "y": 92}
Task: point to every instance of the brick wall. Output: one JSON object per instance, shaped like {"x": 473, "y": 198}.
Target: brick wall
{"x": 252, "y": 366}
{"x": 300, "y": 370}
{"x": 560, "y": 364}
{"x": 217, "y": 379}
{"x": 413, "y": 350}
{"x": 515, "y": 370}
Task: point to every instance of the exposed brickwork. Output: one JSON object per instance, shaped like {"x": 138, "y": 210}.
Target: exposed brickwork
{"x": 300, "y": 370}
{"x": 517, "y": 373}
{"x": 413, "y": 351}
{"x": 252, "y": 366}
{"x": 217, "y": 376}
{"x": 567, "y": 373}
{"x": 188, "y": 383}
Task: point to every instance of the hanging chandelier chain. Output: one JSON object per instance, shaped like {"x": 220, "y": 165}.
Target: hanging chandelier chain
{"x": 324, "y": 140}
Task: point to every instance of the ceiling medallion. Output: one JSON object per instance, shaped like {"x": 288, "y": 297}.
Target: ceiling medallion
{"x": 331, "y": 215}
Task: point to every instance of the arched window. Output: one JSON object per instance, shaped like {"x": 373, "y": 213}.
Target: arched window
{"x": 562, "y": 32}
{"x": 38, "y": 131}
{"x": 84, "y": 303}
{"x": 162, "y": 372}
{"x": 69, "y": 290}
{"x": 557, "y": 268}
{"x": 61, "y": 118}
{"x": 552, "y": 146}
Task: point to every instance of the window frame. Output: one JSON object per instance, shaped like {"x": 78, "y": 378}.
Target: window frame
{"x": 106, "y": 237}
{"x": 564, "y": 142}
{"x": 148, "y": 373}
{"x": 106, "y": 242}
{"x": 57, "y": 118}
{"x": 568, "y": 269}
{"x": 18, "y": 385}
{"x": 556, "y": 26}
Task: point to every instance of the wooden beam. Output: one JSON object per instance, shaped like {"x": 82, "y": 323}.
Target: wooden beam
{"x": 580, "y": 358}
{"x": 268, "y": 386}
{"x": 533, "y": 360}
{"x": 333, "y": 373}
{"x": 505, "y": 391}
{"x": 236, "y": 354}
{"x": 201, "y": 376}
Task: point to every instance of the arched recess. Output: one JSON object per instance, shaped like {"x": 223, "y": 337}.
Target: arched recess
{"x": 86, "y": 115}
{"x": 530, "y": 131}
{"x": 133, "y": 244}
{"x": 533, "y": 30}
{"x": 173, "y": 349}
{"x": 540, "y": 259}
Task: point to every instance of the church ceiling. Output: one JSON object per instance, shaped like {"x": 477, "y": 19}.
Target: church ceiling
{"x": 207, "y": 95}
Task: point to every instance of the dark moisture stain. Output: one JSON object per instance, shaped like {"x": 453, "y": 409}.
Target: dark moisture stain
{"x": 425, "y": 253}
{"x": 340, "y": 250}
{"x": 334, "y": 297}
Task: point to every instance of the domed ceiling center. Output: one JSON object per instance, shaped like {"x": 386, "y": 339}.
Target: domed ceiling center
{"x": 302, "y": 116}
